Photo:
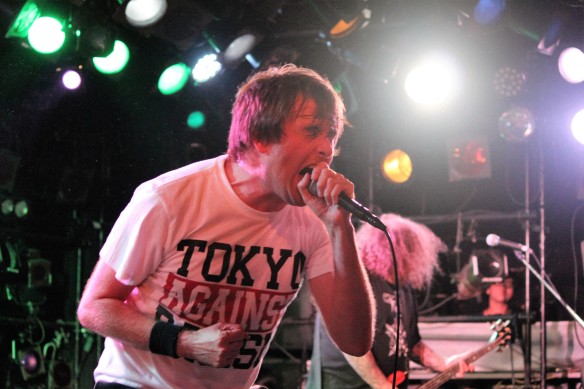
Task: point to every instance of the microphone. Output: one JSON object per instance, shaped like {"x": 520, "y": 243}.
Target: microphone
{"x": 495, "y": 240}
{"x": 348, "y": 204}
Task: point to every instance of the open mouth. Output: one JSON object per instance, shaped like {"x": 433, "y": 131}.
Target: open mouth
{"x": 305, "y": 170}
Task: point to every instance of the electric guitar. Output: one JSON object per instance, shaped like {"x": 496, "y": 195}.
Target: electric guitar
{"x": 501, "y": 335}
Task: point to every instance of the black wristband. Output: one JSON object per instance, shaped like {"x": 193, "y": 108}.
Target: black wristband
{"x": 163, "y": 339}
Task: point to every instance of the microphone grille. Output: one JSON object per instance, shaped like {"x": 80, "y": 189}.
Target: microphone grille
{"x": 493, "y": 240}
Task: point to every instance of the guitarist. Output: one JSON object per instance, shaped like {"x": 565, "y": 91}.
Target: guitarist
{"x": 416, "y": 248}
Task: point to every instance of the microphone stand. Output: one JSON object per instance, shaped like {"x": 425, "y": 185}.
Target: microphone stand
{"x": 520, "y": 256}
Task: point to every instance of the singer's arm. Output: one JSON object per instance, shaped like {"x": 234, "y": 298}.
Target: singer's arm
{"x": 343, "y": 297}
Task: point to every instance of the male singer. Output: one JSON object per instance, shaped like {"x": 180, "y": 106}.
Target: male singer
{"x": 199, "y": 268}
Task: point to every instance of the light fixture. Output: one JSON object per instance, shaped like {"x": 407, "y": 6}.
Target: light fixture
{"x": 173, "y": 78}
{"x": 344, "y": 28}
{"x": 23, "y": 20}
{"x": 196, "y": 120}
{"x": 71, "y": 79}
{"x": 484, "y": 267}
{"x": 508, "y": 81}
{"x": 144, "y": 13}
{"x": 21, "y": 209}
{"x": 468, "y": 158}
{"x": 577, "y": 126}
{"x": 571, "y": 65}
{"x": 206, "y": 68}
{"x": 29, "y": 358}
{"x": 12, "y": 207}
{"x": 487, "y": 12}
{"x": 516, "y": 124}
{"x": 396, "y": 166}
{"x": 115, "y": 62}
{"x": 240, "y": 48}
{"x": 46, "y": 35}
{"x": 434, "y": 81}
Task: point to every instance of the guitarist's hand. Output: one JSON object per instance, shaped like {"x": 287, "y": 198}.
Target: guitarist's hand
{"x": 463, "y": 366}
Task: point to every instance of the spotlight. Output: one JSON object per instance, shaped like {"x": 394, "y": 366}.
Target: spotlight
{"x": 206, "y": 68}
{"x": 468, "y": 159}
{"x": 196, "y": 120}
{"x": 24, "y": 19}
{"x": 397, "y": 166}
{"x": 508, "y": 81}
{"x": 516, "y": 124}
{"x": 488, "y": 11}
{"x": 578, "y": 126}
{"x": 433, "y": 82}
{"x": 7, "y": 206}
{"x": 46, "y": 35}
{"x": 240, "y": 48}
{"x": 115, "y": 62}
{"x": 173, "y": 78}
{"x": 485, "y": 266}
{"x": 71, "y": 79}
{"x": 144, "y": 13}
{"x": 571, "y": 65}
{"x": 343, "y": 28}
{"x": 30, "y": 360}
{"x": 21, "y": 209}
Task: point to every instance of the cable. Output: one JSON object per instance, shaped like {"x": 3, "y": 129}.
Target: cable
{"x": 398, "y": 310}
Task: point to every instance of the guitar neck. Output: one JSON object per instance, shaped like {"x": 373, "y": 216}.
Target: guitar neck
{"x": 450, "y": 372}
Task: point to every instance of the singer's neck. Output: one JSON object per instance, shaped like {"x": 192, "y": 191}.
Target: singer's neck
{"x": 247, "y": 183}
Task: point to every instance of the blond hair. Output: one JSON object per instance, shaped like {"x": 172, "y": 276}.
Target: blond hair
{"x": 416, "y": 249}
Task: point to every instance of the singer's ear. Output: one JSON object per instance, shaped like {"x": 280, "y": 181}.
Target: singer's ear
{"x": 262, "y": 147}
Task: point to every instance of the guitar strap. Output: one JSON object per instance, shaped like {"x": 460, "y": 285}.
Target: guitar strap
{"x": 315, "y": 374}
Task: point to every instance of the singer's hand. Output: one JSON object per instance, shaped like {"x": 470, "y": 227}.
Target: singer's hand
{"x": 217, "y": 345}
{"x": 329, "y": 185}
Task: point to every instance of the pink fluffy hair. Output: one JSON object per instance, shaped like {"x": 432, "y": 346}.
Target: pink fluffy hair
{"x": 416, "y": 249}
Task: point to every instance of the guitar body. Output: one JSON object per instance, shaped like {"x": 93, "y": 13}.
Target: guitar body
{"x": 400, "y": 377}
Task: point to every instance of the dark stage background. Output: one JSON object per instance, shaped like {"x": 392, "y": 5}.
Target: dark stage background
{"x": 77, "y": 156}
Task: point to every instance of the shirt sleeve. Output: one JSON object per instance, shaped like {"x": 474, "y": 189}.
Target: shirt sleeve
{"x": 135, "y": 245}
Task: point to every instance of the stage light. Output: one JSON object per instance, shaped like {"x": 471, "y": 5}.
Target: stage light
{"x": 115, "y": 62}
{"x": 484, "y": 267}
{"x": 468, "y": 158}
{"x": 516, "y": 124}
{"x": 488, "y": 11}
{"x": 71, "y": 79}
{"x": 433, "y": 82}
{"x": 196, "y": 120}
{"x": 578, "y": 126}
{"x": 173, "y": 78}
{"x": 7, "y": 206}
{"x": 21, "y": 209}
{"x": 144, "y": 13}
{"x": 396, "y": 166}
{"x": 240, "y": 48}
{"x": 46, "y": 35}
{"x": 24, "y": 20}
{"x": 206, "y": 68}
{"x": 551, "y": 39}
{"x": 343, "y": 28}
{"x": 31, "y": 361}
{"x": 508, "y": 81}
{"x": 571, "y": 65}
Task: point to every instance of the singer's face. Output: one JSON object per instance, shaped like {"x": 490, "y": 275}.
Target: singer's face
{"x": 306, "y": 141}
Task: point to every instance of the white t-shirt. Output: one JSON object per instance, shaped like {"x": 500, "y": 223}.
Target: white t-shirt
{"x": 198, "y": 255}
